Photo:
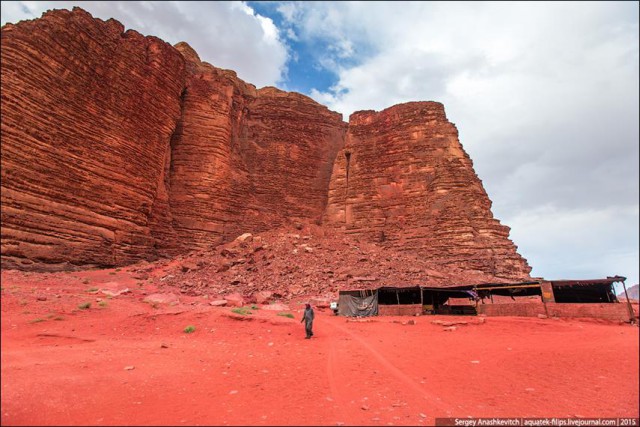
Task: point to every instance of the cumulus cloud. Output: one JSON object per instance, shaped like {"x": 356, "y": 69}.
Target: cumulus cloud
{"x": 225, "y": 34}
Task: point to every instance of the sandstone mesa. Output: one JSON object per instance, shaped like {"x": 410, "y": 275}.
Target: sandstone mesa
{"x": 118, "y": 148}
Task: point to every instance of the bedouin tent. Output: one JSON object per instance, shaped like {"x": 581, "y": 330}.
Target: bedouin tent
{"x": 358, "y": 303}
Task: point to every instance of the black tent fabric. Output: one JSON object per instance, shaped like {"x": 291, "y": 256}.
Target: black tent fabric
{"x": 352, "y": 305}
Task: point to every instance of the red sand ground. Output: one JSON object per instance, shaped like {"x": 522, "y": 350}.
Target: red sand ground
{"x": 65, "y": 366}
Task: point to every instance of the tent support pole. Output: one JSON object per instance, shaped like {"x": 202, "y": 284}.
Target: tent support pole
{"x": 631, "y": 316}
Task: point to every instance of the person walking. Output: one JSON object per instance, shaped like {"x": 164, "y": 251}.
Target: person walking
{"x": 307, "y": 317}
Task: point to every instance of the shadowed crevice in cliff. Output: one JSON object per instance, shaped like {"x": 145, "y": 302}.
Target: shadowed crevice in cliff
{"x": 161, "y": 221}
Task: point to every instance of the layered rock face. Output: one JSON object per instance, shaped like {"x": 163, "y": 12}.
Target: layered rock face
{"x": 404, "y": 180}
{"x": 87, "y": 113}
{"x": 246, "y": 159}
{"x": 118, "y": 147}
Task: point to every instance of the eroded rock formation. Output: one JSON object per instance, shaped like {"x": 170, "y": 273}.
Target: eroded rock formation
{"x": 87, "y": 113}
{"x": 404, "y": 180}
{"x": 246, "y": 159}
{"x": 118, "y": 147}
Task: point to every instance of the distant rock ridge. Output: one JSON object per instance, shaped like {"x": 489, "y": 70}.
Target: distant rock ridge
{"x": 632, "y": 292}
{"x": 118, "y": 147}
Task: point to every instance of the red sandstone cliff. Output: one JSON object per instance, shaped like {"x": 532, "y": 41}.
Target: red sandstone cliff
{"x": 404, "y": 180}
{"x": 246, "y": 159}
{"x": 118, "y": 147}
{"x": 87, "y": 113}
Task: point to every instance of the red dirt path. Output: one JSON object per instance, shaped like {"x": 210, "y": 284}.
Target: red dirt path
{"x": 66, "y": 366}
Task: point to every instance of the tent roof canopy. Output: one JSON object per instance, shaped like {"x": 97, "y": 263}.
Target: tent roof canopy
{"x": 493, "y": 286}
{"x": 588, "y": 282}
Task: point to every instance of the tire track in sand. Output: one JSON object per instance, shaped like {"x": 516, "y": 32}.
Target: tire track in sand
{"x": 430, "y": 399}
{"x": 333, "y": 384}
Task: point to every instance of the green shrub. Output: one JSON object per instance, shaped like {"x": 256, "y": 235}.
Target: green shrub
{"x": 243, "y": 311}
{"x": 84, "y": 305}
{"x": 255, "y": 307}
{"x": 189, "y": 329}
{"x": 289, "y": 315}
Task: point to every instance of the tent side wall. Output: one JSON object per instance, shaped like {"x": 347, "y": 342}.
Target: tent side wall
{"x": 355, "y": 305}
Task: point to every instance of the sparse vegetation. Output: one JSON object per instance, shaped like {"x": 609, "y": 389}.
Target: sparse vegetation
{"x": 58, "y": 318}
{"x": 189, "y": 329}
{"x": 112, "y": 273}
{"x": 255, "y": 307}
{"x": 84, "y": 305}
{"x": 85, "y": 281}
{"x": 289, "y": 315}
{"x": 118, "y": 269}
{"x": 103, "y": 304}
{"x": 38, "y": 320}
{"x": 243, "y": 311}
{"x": 92, "y": 290}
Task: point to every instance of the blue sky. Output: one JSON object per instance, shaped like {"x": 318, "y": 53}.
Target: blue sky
{"x": 304, "y": 71}
{"x": 544, "y": 95}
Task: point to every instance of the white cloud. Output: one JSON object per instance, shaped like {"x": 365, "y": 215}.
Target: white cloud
{"x": 579, "y": 243}
{"x": 225, "y": 34}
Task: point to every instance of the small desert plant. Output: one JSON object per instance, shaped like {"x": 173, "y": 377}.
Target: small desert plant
{"x": 189, "y": 329}
{"x": 243, "y": 311}
{"x": 289, "y": 315}
{"x": 255, "y": 307}
{"x": 85, "y": 281}
{"x": 38, "y": 320}
{"x": 92, "y": 290}
{"x": 84, "y": 305}
{"x": 112, "y": 273}
{"x": 58, "y": 318}
{"x": 102, "y": 304}
{"x": 118, "y": 269}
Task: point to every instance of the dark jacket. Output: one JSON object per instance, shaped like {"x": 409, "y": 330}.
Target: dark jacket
{"x": 308, "y": 315}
